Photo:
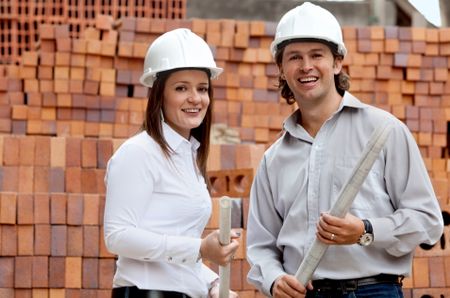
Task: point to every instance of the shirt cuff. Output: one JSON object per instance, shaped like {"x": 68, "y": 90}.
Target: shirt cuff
{"x": 382, "y": 231}
{"x": 209, "y": 275}
{"x": 182, "y": 250}
{"x": 270, "y": 279}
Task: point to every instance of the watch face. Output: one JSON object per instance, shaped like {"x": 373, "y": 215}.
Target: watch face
{"x": 366, "y": 239}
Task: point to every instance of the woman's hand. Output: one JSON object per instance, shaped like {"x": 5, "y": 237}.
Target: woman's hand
{"x": 221, "y": 255}
{"x": 214, "y": 292}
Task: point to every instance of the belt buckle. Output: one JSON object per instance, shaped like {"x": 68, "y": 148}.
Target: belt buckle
{"x": 349, "y": 285}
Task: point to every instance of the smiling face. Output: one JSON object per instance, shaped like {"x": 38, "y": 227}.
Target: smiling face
{"x": 309, "y": 69}
{"x": 186, "y": 100}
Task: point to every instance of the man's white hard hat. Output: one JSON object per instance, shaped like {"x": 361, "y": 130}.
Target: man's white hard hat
{"x": 179, "y": 48}
{"x": 309, "y": 21}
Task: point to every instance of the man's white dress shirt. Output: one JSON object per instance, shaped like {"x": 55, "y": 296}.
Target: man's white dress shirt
{"x": 301, "y": 176}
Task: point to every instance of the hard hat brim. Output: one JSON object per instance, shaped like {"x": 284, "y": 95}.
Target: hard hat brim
{"x": 299, "y": 38}
{"x": 148, "y": 78}
{"x": 277, "y": 42}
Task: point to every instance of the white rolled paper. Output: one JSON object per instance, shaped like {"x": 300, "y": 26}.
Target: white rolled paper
{"x": 224, "y": 238}
{"x": 345, "y": 198}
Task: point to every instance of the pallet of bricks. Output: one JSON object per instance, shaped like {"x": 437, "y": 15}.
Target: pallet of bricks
{"x": 69, "y": 104}
{"x": 20, "y": 19}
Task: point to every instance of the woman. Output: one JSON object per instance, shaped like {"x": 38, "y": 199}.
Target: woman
{"x": 157, "y": 200}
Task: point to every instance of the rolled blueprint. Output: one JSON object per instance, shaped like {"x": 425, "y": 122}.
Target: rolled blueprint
{"x": 224, "y": 238}
{"x": 345, "y": 198}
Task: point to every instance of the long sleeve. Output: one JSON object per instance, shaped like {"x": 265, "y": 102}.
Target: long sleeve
{"x": 300, "y": 177}
{"x": 130, "y": 182}
{"x": 264, "y": 224}
{"x": 156, "y": 210}
{"x": 417, "y": 217}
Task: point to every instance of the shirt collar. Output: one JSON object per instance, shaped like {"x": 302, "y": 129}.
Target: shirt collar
{"x": 175, "y": 140}
{"x": 348, "y": 100}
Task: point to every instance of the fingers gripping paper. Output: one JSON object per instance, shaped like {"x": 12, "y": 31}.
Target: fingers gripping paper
{"x": 345, "y": 198}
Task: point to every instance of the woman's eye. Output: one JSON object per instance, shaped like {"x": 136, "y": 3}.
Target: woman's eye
{"x": 203, "y": 89}
{"x": 180, "y": 88}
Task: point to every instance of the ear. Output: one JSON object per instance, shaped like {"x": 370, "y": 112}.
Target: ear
{"x": 281, "y": 72}
{"x": 337, "y": 65}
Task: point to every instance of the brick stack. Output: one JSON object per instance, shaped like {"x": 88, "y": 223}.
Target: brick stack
{"x": 51, "y": 207}
{"x": 20, "y": 21}
{"x": 70, "y": 103}
{"x": 51, "y": 212}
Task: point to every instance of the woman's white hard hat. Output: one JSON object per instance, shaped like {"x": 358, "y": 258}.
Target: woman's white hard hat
{"x": 309, "y": 21}
{"x": 179, "y": 48}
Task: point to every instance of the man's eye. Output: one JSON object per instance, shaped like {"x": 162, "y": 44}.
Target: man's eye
{"x": 294, "y": 57}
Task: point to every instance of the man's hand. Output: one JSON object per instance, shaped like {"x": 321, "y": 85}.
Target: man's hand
{"x": 287, "y": 286}
{"x": 336, "y": 230}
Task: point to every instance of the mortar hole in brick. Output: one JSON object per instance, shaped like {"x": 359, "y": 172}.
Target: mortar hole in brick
{"x": 218, "y": 185}
{"x": 447, "y": 151}
{"x": 130, "y": 91}
{"x": 446, "y": 217}
{"x": 238, "y": 183}
{"x": 211, "y": 181}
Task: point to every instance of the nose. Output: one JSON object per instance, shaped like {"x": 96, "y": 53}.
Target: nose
{"x": 194, "y": 97}
{"x": 306, "y": 65}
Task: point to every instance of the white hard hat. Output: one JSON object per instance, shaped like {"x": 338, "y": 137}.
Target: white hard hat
{"x": 309, "y": 21}
{"x": 179, "y": 48}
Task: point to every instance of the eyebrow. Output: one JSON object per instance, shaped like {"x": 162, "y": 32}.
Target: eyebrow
{"x": 190, "y": 83}
{"x": 294, "y": 51}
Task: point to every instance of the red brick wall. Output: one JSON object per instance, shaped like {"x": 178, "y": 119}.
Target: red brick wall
{"x": 20, "y": 21}
{"x": 70, "y": 103}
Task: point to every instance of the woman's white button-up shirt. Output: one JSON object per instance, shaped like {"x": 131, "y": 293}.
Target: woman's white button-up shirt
{"x": 156, "y": 210}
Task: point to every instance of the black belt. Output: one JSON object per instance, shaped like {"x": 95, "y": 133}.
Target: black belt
{"x": 348, "y": 285}
{"x": 134, "y": 292}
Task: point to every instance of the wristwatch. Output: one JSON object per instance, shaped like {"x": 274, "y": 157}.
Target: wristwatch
{"x": 367, "y": 237}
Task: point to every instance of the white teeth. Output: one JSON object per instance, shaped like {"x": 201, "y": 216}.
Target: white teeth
{"x": 307, "y": 80}
{"x": 191, "y": 110}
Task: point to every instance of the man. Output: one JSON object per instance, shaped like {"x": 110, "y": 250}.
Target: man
{"x": 371, "y": 247}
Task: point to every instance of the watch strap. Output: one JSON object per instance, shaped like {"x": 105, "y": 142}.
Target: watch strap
{"x": 367, "y": 226}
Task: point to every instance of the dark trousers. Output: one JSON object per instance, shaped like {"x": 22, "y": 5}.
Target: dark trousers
{"x": 380, "y": 286}
{"x": 370, "y": 291}
{"x": 134, "y": 292}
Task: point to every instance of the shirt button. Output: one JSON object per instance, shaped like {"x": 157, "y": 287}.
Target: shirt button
{"x": 169, "y": 258}
{"x": 183, "y": 260}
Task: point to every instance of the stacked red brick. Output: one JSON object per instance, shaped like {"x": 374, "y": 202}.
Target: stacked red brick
{"x": 70, "y": 103}
{"x": 20, "y": 20}
{"x": 51, "y": 207}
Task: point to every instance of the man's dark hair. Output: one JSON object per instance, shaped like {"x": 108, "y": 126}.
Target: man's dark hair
{"x": 341, "y": 80}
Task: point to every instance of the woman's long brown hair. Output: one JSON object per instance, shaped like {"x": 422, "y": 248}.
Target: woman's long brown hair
{"x": 153, "y": 123}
